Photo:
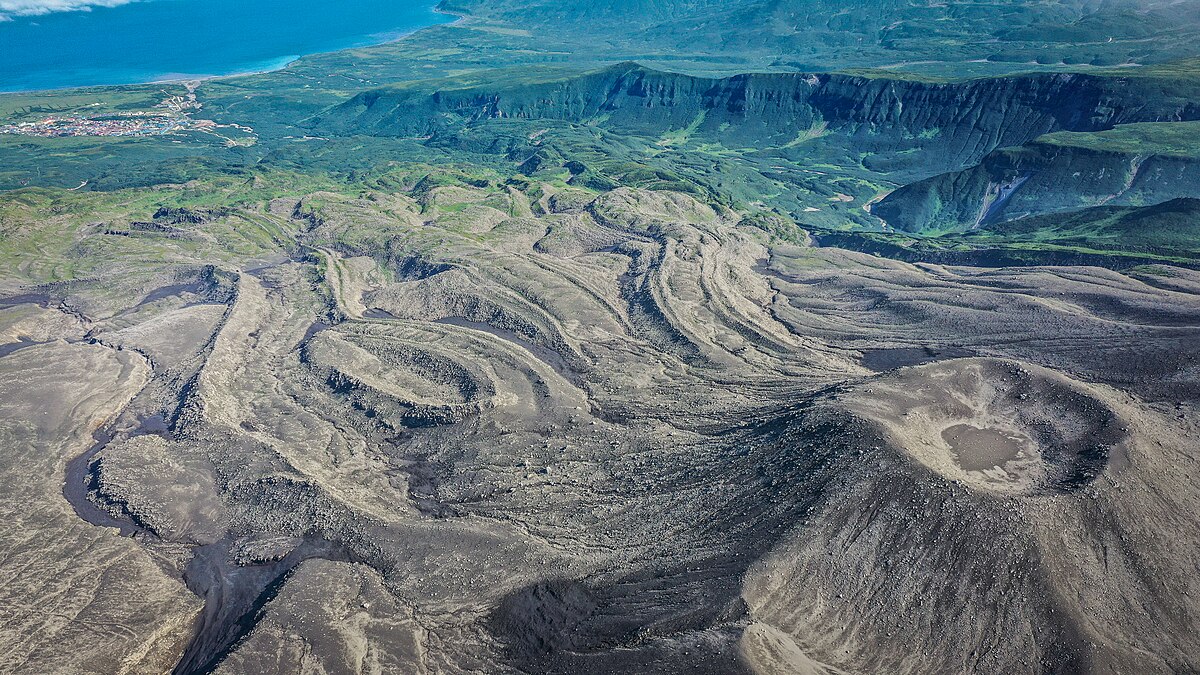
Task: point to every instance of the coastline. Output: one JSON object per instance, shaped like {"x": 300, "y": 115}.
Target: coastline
{"x": 276, "y": 65}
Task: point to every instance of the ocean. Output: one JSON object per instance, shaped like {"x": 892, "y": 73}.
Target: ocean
{"x": 152, "y": 40}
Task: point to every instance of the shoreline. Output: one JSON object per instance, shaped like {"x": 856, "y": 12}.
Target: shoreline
{"x": 186, "y": 78}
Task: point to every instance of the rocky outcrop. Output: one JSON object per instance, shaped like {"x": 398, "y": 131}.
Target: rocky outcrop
{"x": 1035, "y": 179}
{"x": 949, "y": 124}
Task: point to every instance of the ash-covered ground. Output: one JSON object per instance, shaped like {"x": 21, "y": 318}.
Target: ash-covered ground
{"x": 499, "y": 430}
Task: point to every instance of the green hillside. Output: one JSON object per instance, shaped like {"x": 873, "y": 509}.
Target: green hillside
{"x": 1130, "y": 164}
{"x": 936, "y": 38}
{"x": 1172, "y": 227}
{"x": 1174, "y": 139}
{"x": 927, "y": 146}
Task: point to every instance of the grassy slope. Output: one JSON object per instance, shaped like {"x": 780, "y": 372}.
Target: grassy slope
{"x": 810, "y": 175}
{"x": 1170, "y": 139}
{"x": 1109, "y": 236}
{"x": 984, "y": 38}
{"x": 1172, "y": 227}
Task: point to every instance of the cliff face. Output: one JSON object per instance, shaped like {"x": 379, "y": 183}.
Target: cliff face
{"x": 1035, "y": 179}
{"x": 956, "y": 124}
{"x": 896, "y": 125}
{"x": 967, "y": 153}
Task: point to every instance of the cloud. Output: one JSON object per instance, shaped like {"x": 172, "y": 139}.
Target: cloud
{"x": 11, "y": 8}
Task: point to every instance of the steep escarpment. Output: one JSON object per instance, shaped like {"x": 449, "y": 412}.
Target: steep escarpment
{"x": 945, "y": 124}
{"x": 1129, "y": 166}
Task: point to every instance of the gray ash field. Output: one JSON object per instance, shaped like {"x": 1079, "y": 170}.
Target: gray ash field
{"x": 486, "y": 352}
{"x": 621, "y": 435}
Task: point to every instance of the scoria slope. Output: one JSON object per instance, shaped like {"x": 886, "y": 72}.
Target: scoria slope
{"x": 469, "y": 424}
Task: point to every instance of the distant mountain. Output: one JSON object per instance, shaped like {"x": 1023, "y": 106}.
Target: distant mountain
{"x": 828, "y": 34}
{"x": 933, "y": 156}
{"x": 936, "y": 126}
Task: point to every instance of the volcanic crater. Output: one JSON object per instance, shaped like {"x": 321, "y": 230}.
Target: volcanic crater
{"x": 995, "y": 425}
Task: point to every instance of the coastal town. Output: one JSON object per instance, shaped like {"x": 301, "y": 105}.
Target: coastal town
{"x": 169, "y": 116}
{"x": 130, "y": 124}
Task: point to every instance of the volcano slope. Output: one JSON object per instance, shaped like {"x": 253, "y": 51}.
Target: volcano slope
{"x": 469, "y": 425}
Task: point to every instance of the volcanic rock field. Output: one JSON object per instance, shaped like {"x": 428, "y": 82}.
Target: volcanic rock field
{"x": 563, "y": 432}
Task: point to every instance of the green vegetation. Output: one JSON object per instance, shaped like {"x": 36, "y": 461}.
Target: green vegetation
{"x": 92, "y": 101}
{"x": 512, "y": 346}
{"x": 1171, "y": 228}
{"x": 1172, "y": 139}
{"x": 509, "y": 92}
{"x": 946, "y": 40}
{"x": 1110, "y": 236}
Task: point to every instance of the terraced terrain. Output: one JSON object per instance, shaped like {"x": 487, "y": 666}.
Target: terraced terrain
{"x": 550, "y": 430}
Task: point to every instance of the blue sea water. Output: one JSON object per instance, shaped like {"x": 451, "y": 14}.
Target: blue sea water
{"x": 151, "y": 40}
